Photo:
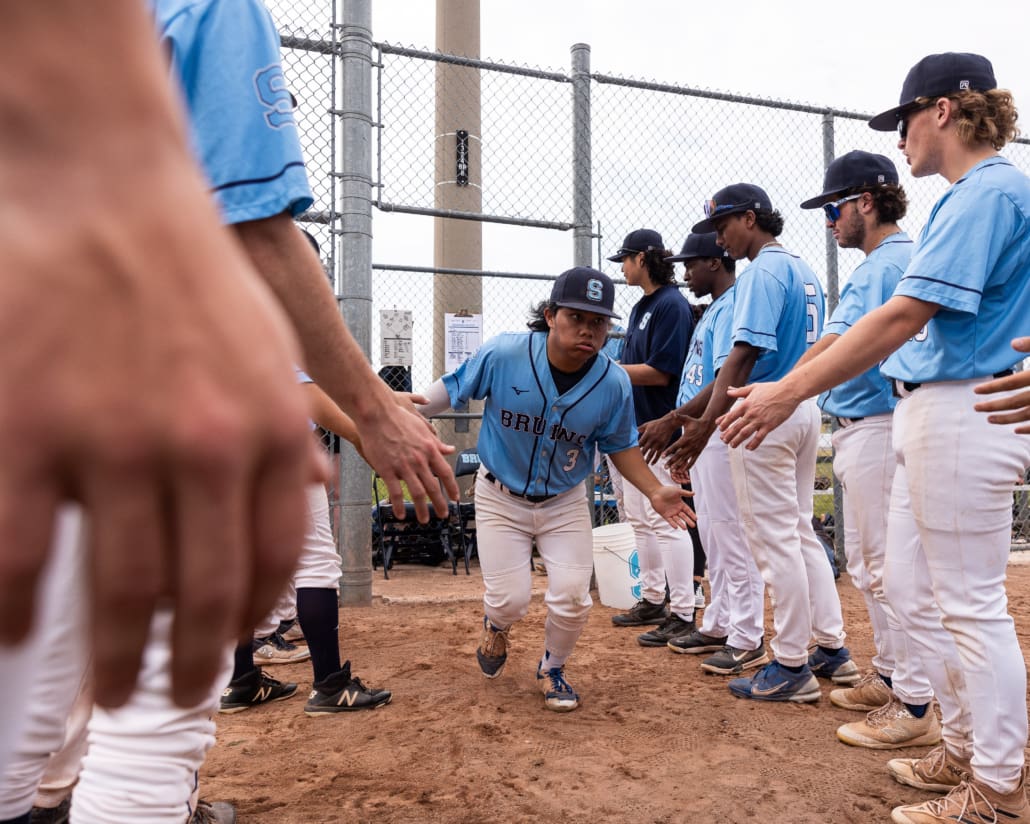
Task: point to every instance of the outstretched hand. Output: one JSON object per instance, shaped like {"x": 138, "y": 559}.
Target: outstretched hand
{"x": 1018, "y": 403}
{"x": 668, "y": 502}
{"x": 682, "y": 454}
{"x": 760, "y": 408}
{"x": 654, "y": 435}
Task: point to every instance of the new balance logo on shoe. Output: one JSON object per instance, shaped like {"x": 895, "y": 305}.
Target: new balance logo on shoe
{"x": 263, "y": 694}
{"x": 348, "y": 697}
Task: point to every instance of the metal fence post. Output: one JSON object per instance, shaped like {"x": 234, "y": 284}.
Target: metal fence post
{"x": 354, "y": 285}
{"x": 832, "y": 298}
{"x": 582, "y": 207}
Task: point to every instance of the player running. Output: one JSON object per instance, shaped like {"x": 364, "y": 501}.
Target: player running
{"x": 552, "y": 398}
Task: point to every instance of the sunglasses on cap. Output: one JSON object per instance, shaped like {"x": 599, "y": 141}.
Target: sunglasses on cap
{"x": 712, "y": 209}
{"x": 832, "y": 210}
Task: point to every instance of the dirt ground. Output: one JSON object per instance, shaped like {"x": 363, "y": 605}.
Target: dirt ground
{"x": 655, "y": 740}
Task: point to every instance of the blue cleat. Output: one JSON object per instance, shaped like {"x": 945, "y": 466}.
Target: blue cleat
{"x": 838, "y": 667}
{"x": 774, "y": 683}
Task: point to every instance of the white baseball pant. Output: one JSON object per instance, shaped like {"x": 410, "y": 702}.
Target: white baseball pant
{"x": 865, "y": 464}
{"x": 52, "y": 672}
{"x": 665, "y": 553}
{"x": 948, "y": 590}
{"x": 774, "y": 486}
{"x": 737, "y": 606}
{"x": 506, "y": 527}
{"x": 318, "y": 567}
{"x": 144, "y": 757}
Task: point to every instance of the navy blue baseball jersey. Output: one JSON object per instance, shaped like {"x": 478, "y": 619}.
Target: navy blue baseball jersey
{"x": 535, "y": 441}
{"x": 709, "y": 346}
{"x": 779, "y": 309}
{"x": 973, "y": 258}
{"x": 869, "y": 287}
{"x": 658, "y": 334}
{"x": 225, "y": 56}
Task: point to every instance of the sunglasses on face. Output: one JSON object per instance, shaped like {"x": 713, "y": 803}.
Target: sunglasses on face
{"x": 712, "y": 208}
{"x": 904, "y": 118}
{"x": 832, "y": 210}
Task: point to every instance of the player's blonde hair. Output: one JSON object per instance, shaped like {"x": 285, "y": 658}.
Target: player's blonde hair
{"x": 984, "y": 117}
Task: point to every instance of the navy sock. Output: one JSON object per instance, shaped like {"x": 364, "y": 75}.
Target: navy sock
{"x": 886, "y": 679}
{"x": 795, "y": 670}
{"x": 319, "y": 614}
{"x": 21, "y": 819}
{"x": 829, "y": 651}
{"x": 243, "y": 660}
{"x": 918, "y": 710}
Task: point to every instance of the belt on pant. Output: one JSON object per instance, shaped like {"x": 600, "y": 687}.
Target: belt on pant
{"x": 842, "y": 422}
{"x": 908, "y": 386}
{"x": 533, "y": 499}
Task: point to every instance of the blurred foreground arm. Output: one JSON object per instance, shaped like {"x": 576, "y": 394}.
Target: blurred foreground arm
{"x": 145, "y": 371}
{"x": 398, "y": 443}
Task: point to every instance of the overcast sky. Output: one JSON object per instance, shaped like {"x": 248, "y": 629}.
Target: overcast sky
{"x": 849, "y": 55}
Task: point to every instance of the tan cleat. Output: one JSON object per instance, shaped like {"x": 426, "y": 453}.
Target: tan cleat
{"x": 971, "y": 802}
{"x": 867, "y": 695}
{"x": 892, "y": 727}
{"x": 940, "y": 770}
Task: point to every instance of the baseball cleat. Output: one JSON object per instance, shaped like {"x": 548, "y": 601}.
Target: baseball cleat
{"x": 838, "y": 667}
{"x": 892, "y": 727}
{"x": 558, "y": 693}
{"x": 341, "y": 692}
{"x": 732, "y": 661}
{"x": 492, "y": 652}
{"x": 971, "y": 802}
{"x": 252, "y": 689}
{"x": 641, "y": 613}
{"x": 674, "y": 627}
{"x": 776, "y": 683}
{"x": 274, "y": 649}
{"x": 940, "y": 770}
{"x": 867, "y": 695}
{"x": 697, "y": 642}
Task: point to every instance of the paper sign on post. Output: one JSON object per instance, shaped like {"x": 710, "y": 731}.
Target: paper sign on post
{"x": 464, "y": 336}
{"x": 395, "y": 337}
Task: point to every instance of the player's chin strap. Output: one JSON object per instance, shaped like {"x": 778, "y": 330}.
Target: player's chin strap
{"x": 439, "y": 400}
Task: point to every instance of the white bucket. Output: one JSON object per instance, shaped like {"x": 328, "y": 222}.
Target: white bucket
{"x": 616, "y": 565}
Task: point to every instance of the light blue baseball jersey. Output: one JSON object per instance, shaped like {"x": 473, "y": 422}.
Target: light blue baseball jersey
{"x": 972, "y": 258}
{"x": 713, "y": 338}
{"x": 870, "y": 286}
{"x": 535, "y": 441}
{"x": 779, "y": 308}
{"x": 225, "y": 56}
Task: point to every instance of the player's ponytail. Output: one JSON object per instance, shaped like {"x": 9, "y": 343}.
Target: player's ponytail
{"x": 537, "y": 319}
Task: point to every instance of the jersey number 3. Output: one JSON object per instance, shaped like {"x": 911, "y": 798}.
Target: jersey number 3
{"x": 573, "y": 455}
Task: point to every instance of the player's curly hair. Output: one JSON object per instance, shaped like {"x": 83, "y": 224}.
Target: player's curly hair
{"x": 984, "y": 117}
{"x": 769, "y": 220}
{"x": 658, "y": 269}
{"x": 890, "y": 201}
{"x": 537, "y": 321}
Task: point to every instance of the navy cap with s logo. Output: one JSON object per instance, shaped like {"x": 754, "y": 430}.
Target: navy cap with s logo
{"x": 585, "y": 289}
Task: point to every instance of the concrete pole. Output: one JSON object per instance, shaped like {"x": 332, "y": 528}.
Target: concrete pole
{"x": 456, "y": 243}
{"x": 353, "y": 523}
{"x": 582, "y": 207}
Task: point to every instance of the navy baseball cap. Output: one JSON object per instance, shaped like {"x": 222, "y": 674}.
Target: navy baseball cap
{"x": 938, "y": 75}
{"x": 639, "y": 240}
{"x": 740, "y": 197}
{"x": 854, "y": 170}
{"x": 585, "y": 289}
{"x": 698, "y": 246}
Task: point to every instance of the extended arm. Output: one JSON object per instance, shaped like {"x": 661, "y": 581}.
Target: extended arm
{"x": 145, "y": 371}
{"x": 696, "y": 431}
{"x": 666, "y": 500}
{"x": 398, "y": 444}
{"x": 765, "y": 406}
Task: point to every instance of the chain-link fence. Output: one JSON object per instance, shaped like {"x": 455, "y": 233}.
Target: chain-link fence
{"x": 562, "y": 163}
